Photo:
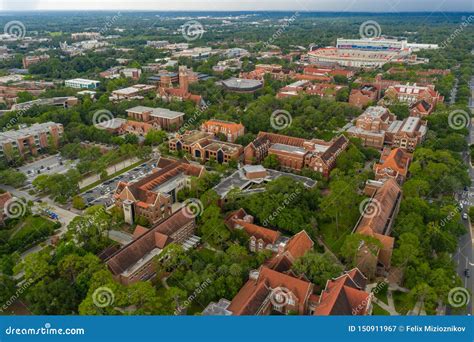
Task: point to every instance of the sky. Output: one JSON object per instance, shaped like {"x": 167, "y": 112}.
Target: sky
{"x": 240, "y": 5}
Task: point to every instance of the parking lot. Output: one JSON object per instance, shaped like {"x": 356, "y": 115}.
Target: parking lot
{"x": 48, "y": 165}
{"x": 103, "y": 193}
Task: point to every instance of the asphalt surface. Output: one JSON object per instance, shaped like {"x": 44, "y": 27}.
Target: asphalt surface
{"x": 103, "y": 193}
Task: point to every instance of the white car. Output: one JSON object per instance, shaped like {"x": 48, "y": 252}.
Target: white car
{"x": 464, "y": 216}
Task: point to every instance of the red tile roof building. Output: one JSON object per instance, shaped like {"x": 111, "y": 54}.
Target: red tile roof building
{"x": 345, "y": 295}
{"x": 326, "y": 90}
{"x": 393, "y": 164}
{"x": 365, "y": 95}
{"x": 270, "y": 292}
{"x": 151, "y": 197}
{"x": 411, "y": 94}
{"x": 296, "y": 153}
{"x": 231, "y": 130}
{"x": 186, "y": 77}
{"x": 377, "y": 223}
{"x": 134, "y": 262}
{"x": 203, "y": 146}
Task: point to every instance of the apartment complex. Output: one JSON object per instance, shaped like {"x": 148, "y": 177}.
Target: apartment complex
{"x": 203, "y": 146}
{"x": 152, "y": 196}
{"x": 31, "y": 60}
{"x": 165, "y": 118}
{"x": 231, "y": 130}
{"x": 296, "y": 153}
{"x": 29, "y": 140}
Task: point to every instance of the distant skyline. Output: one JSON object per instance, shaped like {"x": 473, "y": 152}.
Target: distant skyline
{"x": 245, "y": 5}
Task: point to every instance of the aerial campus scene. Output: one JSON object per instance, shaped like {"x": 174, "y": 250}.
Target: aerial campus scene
{"x": 196, "y": 159}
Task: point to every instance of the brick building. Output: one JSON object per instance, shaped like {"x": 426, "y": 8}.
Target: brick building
{"x": 412, "y": 94}
{"x": 203, "y": 146}
{"x": 121, "y": 126}
{"x": 135, "y": 261}
{"x": 378, "y": 223}
{"x": 393, "y": 164}
{"x": 296, "y": 153}
{"x": 345, "y": 295}
{"x": 152, "y": 196}
{"x": 165, "y": 118}
{"x": 363, "y": 96}
{"x": 30, "y": 140}
{"x": 231, "y": 130}
{"x": 32, "y": 60}
{"x": 377, "y": 127}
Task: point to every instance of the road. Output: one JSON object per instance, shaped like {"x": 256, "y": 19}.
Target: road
{"x": 464, "y": 255}
{"x": 65, "y": 216}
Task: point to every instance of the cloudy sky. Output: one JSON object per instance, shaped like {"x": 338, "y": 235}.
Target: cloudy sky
{"x": 235, "y": 5}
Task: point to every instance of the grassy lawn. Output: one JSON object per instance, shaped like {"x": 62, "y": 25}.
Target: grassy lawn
{"x": 380, "y": 291}
{"x": 333, "y": 237}
{"x": 403, "y": 302}
{"x": 378, "y": 311}
{"x": 29, "y": 231}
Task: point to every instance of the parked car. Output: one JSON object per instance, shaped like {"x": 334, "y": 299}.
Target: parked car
{"x": 464, "y": 216}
